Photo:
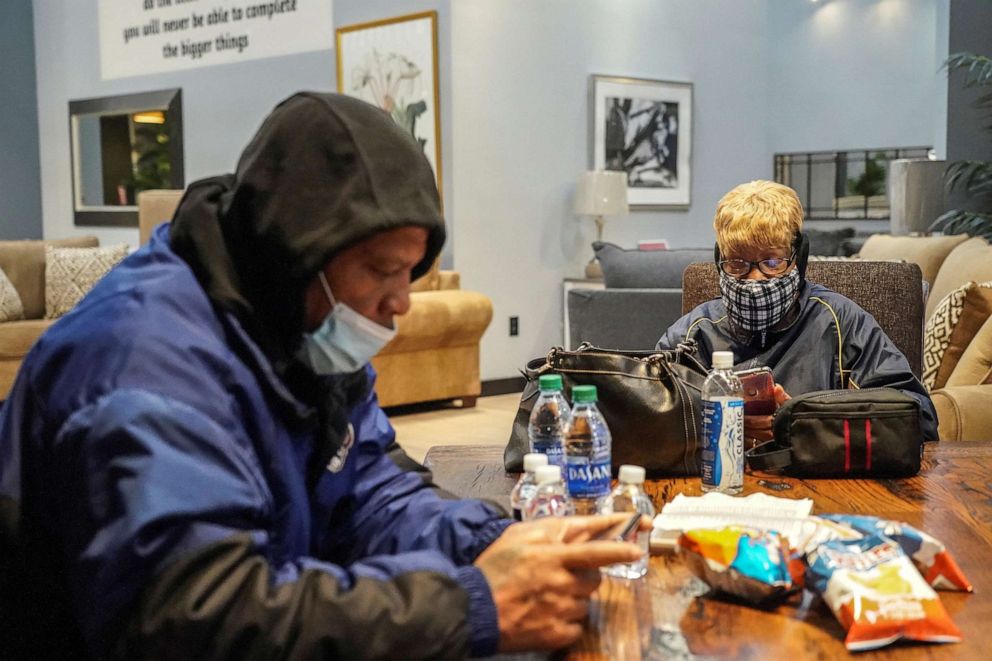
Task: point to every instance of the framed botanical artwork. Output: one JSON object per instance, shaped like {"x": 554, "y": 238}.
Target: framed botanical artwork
{"x": 392, "y": 63}
{"x": 644, "y": 128}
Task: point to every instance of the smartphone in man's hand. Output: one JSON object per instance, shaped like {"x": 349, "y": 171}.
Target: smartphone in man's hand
{"x": 759, "y": 391}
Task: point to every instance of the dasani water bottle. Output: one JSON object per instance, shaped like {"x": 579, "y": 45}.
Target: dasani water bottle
{"x": 587, "y": 452}
{"x": 548, "y": 419}
{"x": 551, "y": 497}
{"x": 629, "y": 496}
{"x": 526, "y": 486}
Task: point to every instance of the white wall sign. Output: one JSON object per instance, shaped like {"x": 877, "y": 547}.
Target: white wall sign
{"x": 140, "y": 37}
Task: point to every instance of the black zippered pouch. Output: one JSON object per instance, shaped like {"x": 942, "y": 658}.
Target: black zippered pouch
{"x": 873, "y": 432}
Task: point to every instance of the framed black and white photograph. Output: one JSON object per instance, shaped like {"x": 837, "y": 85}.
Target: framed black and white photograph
{"x": 644, "y": 128}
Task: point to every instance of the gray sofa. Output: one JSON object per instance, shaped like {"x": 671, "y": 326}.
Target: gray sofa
{"x": 642, "y": 297}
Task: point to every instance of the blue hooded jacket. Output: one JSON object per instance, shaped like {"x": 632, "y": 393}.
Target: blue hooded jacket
{"x": 157, "y": 497}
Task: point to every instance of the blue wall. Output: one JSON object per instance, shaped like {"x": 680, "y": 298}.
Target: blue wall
{"x": 20, "y": 175}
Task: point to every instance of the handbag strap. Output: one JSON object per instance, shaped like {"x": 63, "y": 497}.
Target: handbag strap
{"x": 771, "y": 455}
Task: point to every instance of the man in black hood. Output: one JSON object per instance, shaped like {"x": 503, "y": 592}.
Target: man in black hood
{"x": 194, "y": 463}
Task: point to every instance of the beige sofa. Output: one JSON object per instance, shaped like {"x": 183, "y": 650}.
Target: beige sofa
{"x": 435, "y": 354}
{"x": 962, "y": 378}
{"x": 24, "y": 264}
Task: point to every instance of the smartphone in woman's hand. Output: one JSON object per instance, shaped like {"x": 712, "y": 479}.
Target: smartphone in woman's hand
{"x": 759, "y": 391}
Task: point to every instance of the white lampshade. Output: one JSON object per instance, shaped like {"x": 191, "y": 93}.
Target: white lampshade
{"x": 601, "y": 193}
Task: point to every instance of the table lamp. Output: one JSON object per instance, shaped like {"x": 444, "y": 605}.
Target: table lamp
{"x": 600, "y": 193}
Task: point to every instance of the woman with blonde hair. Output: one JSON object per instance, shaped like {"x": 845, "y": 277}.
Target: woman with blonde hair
{"x": 769, "y": 315}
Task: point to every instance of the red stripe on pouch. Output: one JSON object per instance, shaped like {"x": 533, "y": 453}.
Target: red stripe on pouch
{"x": 847, "y": 445}
{"x": 867, "y": 444}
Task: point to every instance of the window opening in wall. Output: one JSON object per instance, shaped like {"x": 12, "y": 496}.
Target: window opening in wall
{"x": 121, "y": 146}
{"x": 848, "y": 185}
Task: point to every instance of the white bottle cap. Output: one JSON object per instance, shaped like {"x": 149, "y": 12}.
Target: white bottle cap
{"x": 547, "y": 474}
{"x": 630, "y": 474}
{"x": 723, "y": 360}
{"x": 532, "y": 460}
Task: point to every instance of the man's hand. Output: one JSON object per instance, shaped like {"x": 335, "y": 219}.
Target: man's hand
{"x": 760, "y": 426}
{"x": 542, "y": 572}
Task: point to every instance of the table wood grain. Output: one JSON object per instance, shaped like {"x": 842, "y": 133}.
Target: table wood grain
{"x": 671, "y": 614}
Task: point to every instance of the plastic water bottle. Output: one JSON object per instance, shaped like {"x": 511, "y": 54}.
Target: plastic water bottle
{"x": 548, "y": 419}
{"x": 629, "y": 496}
{"x": 526, "y": 486}
{"x": 587, "y": 452}
{"x": 723, "y": 427}
{"x": 551, "y": 497}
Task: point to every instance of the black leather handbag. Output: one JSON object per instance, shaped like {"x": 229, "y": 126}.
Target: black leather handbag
{"x": 651, "y": 401}
{"x": 873, "y": 432}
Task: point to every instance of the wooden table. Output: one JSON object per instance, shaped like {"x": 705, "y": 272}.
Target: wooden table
{"x": 670, "y": 615}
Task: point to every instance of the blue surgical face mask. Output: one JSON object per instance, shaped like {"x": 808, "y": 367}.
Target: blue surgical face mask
{"x": 345, "y": 341}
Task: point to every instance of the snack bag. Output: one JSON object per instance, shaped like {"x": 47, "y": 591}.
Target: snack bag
{"x": 877, "y": 594}
{"x": 928, "y": 554}
{"x": 815, "y": 530}
{"x": 747, "y": 563}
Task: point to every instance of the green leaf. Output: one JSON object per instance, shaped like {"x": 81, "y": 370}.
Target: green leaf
{"x": 973, "y": 177}
{"x": 957, "y": 221}
{"x": 978, "y": 68}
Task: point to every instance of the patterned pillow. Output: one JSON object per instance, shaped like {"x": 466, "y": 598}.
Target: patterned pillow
{"x": 951, "y": 328}
{"x": 71, "y": 272}
{"x": 10, "y": 303}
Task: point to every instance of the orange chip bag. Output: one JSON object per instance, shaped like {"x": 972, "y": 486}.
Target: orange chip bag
{"x": 877, "y": 594}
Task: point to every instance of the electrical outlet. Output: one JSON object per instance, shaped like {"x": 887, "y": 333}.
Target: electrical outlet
{"x": 514, "y": 326}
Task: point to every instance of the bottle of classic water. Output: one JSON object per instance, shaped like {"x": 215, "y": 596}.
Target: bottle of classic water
{"x": 526, "y": 486}
{"x": 587, "y": 452}
{"x": 548, "y": 419}
{"x": 629, "y": 496}
{"x": 723, "y": 427}
{"x": 551, "y": 497}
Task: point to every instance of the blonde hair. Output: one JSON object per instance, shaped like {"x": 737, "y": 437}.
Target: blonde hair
{"x": 756, "y": 216}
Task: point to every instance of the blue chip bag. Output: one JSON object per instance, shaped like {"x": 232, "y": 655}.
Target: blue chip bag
{"x": 929, "y": 555}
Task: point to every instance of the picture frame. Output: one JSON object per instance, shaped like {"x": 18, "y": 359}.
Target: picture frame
{"x": 392, "y": 64}
{"x": 644, "y": 128}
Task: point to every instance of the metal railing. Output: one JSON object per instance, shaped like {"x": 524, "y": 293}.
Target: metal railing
{"x": 842, "y": 185}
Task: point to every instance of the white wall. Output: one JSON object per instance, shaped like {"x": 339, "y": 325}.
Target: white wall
{"x": 768, "y": 75}
{"x": 856, "y": 74}
{"x": 521, "y": 72}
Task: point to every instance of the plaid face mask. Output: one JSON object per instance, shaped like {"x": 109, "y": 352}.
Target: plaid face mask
{"x": 757, "y": 305}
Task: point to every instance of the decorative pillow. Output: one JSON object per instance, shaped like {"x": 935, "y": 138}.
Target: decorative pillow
{"x": 951, "y": 328}
{"x": 646, "y": 269}
{"x": 71, "y": 272}
{"x": 24, "y": 264}
{"x": 970, "y": 261}
{"x": 975, "y": 366}
{"x": 10, "y": 302}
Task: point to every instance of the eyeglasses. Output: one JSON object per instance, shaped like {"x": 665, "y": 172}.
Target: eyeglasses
{"x": 771, "y": 267}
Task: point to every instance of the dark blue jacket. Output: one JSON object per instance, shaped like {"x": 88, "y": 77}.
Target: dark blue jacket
{"x": 828, "y": 343}
{"x": 163, "y": 500}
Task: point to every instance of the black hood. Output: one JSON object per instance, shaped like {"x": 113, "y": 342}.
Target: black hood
{"x": 323, "y": 172}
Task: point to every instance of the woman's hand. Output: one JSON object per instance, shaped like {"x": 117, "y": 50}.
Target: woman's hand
{"x": 759, "y": 427}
